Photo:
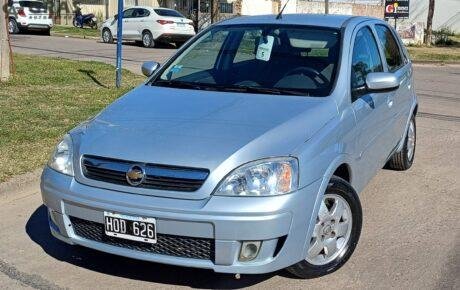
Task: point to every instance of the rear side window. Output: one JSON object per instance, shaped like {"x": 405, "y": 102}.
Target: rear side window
{"x": 128, "y": 13}
{"x": 366, "y": 59}
{"x": 168, "y": 13}
{"x": 390, "y": 47}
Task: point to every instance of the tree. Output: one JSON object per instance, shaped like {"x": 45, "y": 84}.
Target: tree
{"x": 429, "y": 23}
{"x": 5, "y": 54}
{"x": 214, "y": 11}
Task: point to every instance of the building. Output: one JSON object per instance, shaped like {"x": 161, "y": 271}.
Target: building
{"x": 200, "y": 10}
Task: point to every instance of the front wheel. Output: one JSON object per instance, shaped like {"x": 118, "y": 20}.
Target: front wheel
{"x": 147, "y": 39}
{"x": 336, "y": 232}
{"x": 107, "y": 36}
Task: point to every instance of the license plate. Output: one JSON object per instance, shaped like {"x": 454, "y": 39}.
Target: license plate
{"x": 180, "y": 24}
{"x": 134, "y": 228}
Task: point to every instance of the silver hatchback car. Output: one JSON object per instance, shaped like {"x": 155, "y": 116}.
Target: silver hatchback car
{"x": 245, "y": 152}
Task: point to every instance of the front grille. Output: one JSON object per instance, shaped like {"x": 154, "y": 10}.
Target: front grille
{"x": 185, "y": 247}
{"x": 162, "y": 177}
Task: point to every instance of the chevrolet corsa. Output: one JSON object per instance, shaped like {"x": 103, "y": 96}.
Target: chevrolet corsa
{"x": 245, "y": 152}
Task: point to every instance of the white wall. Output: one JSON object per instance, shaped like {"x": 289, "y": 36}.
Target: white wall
{"x": 291, "y": 6}
{"x": 256, "y": 7}
{"x": 446, "y": 13}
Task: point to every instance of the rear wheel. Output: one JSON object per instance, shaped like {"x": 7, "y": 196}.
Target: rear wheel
{"x": 147, "y": 39}
{"x": 403, "y": 160}
{"x": 13, "y": 26}
{"x": 107, "y": 36}
{"x": 336, "y": 232}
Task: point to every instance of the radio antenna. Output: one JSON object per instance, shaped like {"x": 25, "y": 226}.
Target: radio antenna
{"x": 280, "y": 15}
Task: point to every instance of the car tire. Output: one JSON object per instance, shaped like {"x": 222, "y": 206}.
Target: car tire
{"x": 344, "y": 227}
{"x": 47, "y": 32}
{"x": 403, "y": 160}
{"x": 107, "y": 36}
{"x": 147, "y": 39}
{"x": 13, "y": 26}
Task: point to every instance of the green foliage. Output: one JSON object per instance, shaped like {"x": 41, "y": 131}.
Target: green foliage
{"x": 46, "y": 98}
{"x": 444, "y": 37}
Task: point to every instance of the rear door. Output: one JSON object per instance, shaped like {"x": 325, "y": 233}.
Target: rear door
{"x": 399, "y": 101}
{"x": 138, "y": 22}
{"x": 370, "y": 108}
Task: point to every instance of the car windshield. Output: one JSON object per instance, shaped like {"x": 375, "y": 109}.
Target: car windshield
{"x": 168, "y": 13}
{"x": 270, "y": 59}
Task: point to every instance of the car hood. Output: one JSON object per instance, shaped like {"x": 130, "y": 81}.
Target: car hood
{"x": 203, "y": 129}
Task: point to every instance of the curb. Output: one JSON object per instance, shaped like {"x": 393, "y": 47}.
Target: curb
{"x": 19, "y": 185}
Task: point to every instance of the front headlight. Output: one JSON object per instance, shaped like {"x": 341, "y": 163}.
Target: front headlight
{"x": 62, "y": 158}
{"x": 262, "y": 178}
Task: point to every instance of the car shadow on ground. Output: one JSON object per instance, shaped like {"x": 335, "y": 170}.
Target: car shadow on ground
{"x": 38, "y": 231}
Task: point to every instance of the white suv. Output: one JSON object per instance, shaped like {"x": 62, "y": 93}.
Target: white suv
{"x": 28, "y": 15}
{"x": 149, "y": 26}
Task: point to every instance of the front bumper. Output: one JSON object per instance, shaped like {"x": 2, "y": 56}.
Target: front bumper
{"x": 282, "y": 223}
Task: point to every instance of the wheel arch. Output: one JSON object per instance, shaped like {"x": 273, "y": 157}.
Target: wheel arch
{"x": 340, "y": 165}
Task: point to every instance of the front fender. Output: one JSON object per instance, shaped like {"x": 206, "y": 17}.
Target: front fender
{"x": 339, "y": 160}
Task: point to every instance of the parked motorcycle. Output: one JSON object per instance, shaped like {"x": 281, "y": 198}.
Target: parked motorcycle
{"x": 81, "y": 20}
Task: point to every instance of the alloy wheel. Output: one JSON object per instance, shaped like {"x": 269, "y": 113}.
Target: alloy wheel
{"x": 146, "y": 40}
{"x": 11, "y": 26}
{"x": 106, "y": 36}
{"x": 411, "y": 141}
{"x": 332, "y": 230}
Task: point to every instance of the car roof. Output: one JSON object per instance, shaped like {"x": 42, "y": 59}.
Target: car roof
{"x": 320, "y": 20}
{"x": 150, "y": 8}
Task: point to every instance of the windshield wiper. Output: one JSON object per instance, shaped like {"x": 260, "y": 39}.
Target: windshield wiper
{"x": 239, "y": 89}
{"x": 274, "y": 91}
{"x": 178, "y": 84}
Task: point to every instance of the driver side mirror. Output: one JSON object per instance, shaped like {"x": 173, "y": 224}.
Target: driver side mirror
{"x": 379, "y": 82}
{"x": 376, "y": 82}
{"x": 150, "y": 67}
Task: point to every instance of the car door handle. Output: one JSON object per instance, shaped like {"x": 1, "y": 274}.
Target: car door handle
{"x": 390, "y": 102}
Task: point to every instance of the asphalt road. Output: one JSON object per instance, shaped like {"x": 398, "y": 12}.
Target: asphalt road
{"x": 410, "y": 237}
{"x": 83, "y": 49}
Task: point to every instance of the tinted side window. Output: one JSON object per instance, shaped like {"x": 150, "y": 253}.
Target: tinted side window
{"x": 139, "y": 12}
{"x": 366, "y": 59}
{"x": 390, "y": 47}
{"x": 128, "y": 13}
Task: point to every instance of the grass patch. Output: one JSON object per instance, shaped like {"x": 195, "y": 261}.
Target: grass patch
{"x": 71, "y": 31}
{"x": 435, "y": 53}
{"x": 46, "y": 98}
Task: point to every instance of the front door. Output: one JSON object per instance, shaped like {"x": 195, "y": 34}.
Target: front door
{"x": 370, "y": 108}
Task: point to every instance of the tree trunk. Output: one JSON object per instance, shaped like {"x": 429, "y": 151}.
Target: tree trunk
{"x": 214, "y": 11}
{"x": 326, "y": 7}
{"x": 429, "y": 23}
{"x": 5, "y": 56}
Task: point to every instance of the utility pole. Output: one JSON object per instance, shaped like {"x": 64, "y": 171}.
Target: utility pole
{"x": 326, "y": 7}
{"x": 429, "y": 23}
{"x": 5, "y": 55}
{"x": 119, "y": 42}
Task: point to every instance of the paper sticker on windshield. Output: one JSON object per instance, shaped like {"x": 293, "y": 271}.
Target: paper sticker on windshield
{"x": 265, "y": 48}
